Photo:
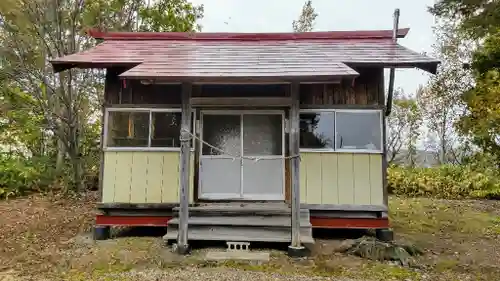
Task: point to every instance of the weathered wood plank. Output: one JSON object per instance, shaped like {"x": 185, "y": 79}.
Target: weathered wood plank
{"x": 239, "y": 234}
{"x": 241, "y": 101}
{"x": 184, "y": 168}
{"x": 295, "y": 164}
{"x": 272, "y": 221}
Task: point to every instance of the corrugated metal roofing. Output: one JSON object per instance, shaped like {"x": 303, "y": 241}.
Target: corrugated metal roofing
{"x": 154, "y": 58}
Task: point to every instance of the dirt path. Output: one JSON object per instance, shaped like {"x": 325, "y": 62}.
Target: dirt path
{"x": 42, "y": 239}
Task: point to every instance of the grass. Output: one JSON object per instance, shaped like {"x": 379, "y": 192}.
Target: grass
{"x": 422, "y": 215}
{"x": 49, "y": 238}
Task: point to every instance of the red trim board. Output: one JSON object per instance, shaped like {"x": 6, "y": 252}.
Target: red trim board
{"x": 350, "y": 223}
{"x": 131, "y": 220}
{"x": 317, "y": 222}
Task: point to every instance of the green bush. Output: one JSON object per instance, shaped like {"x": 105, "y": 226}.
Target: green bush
{"x": 447, "y": 181}
{"x": 20, "y": 176}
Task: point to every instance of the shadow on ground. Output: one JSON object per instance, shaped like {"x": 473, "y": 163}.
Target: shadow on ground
{"x": 337, "y": 235}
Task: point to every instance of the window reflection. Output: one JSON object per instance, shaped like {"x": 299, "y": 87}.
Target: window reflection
{"x": 317, "y": 130}
{"x": 358, "y": 130}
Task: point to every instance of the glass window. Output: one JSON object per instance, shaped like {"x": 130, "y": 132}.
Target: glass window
{"x": 165, "y": 129}
{"x": 223, "y": 132}
{"x": 262, "y": 134}
{"x": 317, "y": 130}
{"x": 128, "y": 129}
{"x": 132, "y": 128}
{"x": 358, "y": 130}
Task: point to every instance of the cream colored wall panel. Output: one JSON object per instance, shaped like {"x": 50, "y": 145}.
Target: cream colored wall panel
{"x": 138, "y": 184}
{"x": 123, "y": 177}
{"x": 329, "y": 176}
{"x": 304, "y": 159}
{"x": 109, "y": 177}
{"x": 170, "y": 191}
{"x": 154, "y": 180}
{"x": 314, "y": 179}
{"x": 143, "y": 177}
{"x": 346, "y": 178}
{"x": 376, "y": 179}
{"x": 341, "y": 178}
{"x": 362, "y": 192}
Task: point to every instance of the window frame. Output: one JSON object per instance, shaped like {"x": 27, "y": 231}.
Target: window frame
{"x": 343, "y": 150}
{"x": 149, "y": 110}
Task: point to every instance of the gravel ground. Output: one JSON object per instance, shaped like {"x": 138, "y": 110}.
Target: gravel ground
{"x": 206, "y": 274}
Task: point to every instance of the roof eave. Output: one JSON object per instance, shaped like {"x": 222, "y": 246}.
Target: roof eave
{"x": 430, "y": 66}
{"x": 246, "y": 79}
{"x": 340, "y": 35}
{"x": 60, "y": 66}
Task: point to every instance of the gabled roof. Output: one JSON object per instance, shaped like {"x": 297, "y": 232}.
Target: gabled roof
{"x": 206, "y": 56}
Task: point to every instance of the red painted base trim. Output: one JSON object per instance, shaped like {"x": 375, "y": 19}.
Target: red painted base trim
{"x": 317, "y": 222}
{"x": 131, "y": 220}
{"x": 357, "y": 223}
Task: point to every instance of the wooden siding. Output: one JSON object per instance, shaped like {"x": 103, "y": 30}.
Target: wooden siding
{"x": 241, "y": 90}
{"x": 364, "y": 90}
{"x": 142, "y": 177}
{"x": 341, "y": 178}
{"x": 135, "y": 93}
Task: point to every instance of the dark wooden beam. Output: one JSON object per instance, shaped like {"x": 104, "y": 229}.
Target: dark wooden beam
{"x": 241, "y": 101}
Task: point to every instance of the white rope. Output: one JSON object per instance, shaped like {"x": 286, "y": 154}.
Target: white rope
{"x": 234, "y": 157}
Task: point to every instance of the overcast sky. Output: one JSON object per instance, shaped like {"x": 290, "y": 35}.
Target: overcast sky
{"x": 277, "y": 16}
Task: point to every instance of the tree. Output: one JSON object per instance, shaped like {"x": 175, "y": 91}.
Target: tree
{"x": 403, "y": 118}
{"x": 306, "y": 20}
{"x": 34, "y": 31}
{"x": 414, "y": 126}
{"x": 482, "y": 120}
{"x": 441, "y": 101}
{"x": 479, "y": 20}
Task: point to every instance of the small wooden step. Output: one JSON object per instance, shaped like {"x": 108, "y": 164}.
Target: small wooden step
{"x": 243, "y": 209}
{"x": 228, "y": 233}
{"x": 249, "y": 221}
{"x": 277, "y": 221}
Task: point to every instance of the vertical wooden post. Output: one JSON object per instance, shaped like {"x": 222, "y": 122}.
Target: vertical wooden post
{"x": 295, "y": 249}
{"x": 186, "y": 140}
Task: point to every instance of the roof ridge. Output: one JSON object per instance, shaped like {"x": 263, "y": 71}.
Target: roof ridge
{"x": 223, "y": 36}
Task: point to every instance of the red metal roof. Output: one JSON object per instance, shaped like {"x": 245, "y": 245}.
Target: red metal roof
{"x": 203, "y": 56}
{"x": 329, "y": 35}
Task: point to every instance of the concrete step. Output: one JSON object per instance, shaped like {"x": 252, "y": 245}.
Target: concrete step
{"x": 276, "y": 221}
{"x": 235, "y": 233}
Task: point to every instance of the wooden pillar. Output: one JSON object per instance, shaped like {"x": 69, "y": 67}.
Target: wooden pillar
{"x": 186, "y": 140}
{"x": 295, "y": 249}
